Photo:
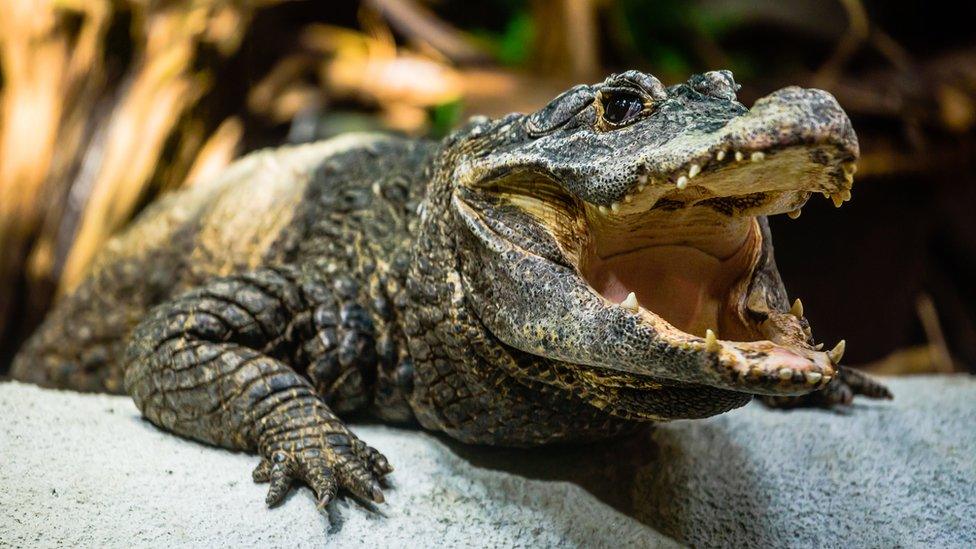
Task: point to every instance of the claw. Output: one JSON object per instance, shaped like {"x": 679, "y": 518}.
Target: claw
{"x": 376, "y": 492}
{"x": 324, "y": 502}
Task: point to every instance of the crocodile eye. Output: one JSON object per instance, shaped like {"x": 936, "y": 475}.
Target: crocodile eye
{"x": 622, "y": 107}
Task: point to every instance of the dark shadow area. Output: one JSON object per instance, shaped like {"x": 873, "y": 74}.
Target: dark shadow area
{"x": 652, "y": 477}
{"x": 639, "y": 475}
{"x": 605, "y": 469}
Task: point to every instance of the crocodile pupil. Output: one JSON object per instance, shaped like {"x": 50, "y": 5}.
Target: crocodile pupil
{"x": 622, "y": 108}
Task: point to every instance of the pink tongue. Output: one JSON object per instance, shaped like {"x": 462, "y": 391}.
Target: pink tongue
{"x": 677, "y": 298}
{"x": 671, "y": 281}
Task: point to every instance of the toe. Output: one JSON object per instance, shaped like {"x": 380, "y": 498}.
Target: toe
{"x": 318, "y": 475}
{"x": 378, "y": 463}
{"x": 357, "y": 479}
{"x": 862, "y": 384}
{"x": 262, "y": 473}
{"x": 325, "y": 487}
{"x": 281, "y": 475}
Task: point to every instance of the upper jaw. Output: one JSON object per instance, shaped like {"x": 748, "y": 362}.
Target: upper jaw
{"x": 794, "y": 140}
{"x": 776, "y": 180}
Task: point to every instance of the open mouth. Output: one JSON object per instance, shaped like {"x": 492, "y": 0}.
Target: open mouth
{"x": 691, "y": 269}
{"x": 685, "y": 245}
{"x": 682, "y": 251}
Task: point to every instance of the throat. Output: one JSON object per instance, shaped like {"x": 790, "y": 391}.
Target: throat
{"x": 695, "y": 282}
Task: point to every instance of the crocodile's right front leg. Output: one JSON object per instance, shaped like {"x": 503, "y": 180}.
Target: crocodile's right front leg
{"x": 208, "y": 366}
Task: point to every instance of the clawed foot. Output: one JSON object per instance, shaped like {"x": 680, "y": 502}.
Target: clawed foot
{"x": 325, "y": 463}
{"x": 841, "y": 390}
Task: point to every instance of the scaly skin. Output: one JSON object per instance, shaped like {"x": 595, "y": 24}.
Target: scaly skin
{"x": 474, "y": 285}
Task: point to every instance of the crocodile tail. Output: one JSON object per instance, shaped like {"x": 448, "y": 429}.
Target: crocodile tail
{"x": 82, "y": 360}
{"x": 80, "y": 343}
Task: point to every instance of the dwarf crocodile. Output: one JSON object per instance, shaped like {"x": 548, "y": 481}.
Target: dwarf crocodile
{"x": 567, "y": 275}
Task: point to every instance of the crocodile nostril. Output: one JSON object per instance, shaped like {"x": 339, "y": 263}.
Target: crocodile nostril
{"x": 718, "y": 84}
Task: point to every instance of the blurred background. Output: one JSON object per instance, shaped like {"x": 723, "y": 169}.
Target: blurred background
{"x": 106, "y": 104}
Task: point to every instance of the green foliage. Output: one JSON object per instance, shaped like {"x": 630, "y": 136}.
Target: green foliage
{"x": 444, "y": 117}
{"x": 657, "y": 32}
{"x": 712, "y": 23}
{"x": 662, "y": 33}
{"x": 513, "y": 45}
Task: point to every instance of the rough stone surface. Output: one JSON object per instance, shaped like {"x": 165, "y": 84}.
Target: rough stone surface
{"x": 85, "y": 470}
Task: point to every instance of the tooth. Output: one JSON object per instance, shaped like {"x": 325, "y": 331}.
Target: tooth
{"x": 845, "y": 194}
{"x": 826, "y": 379}
{"x": 720, "y": 155}
{"x": 813, "y": 377}
{"x": 797, "y": 308}
{"x": 785, "y": 374}
{"x": 694, "y": 170}
{"x": 604, "y": 210}
{"x": 615, "y": 207}
{"x": 794, "y": 214}
{"x": 825, "y": 195}
{"x": 628, "y": 198}
{"x": 711, "y": 342}
{"x": 630, "y": 303}
{"x": 850, "y": 168}
{"x": 642, "y": 179}
{"x": 758, "y": 156}
{"x": 837, "y": 352}
{"x": 739, "y": 156}
{"x": 837, "y": 200}
{"x": 641, "y": 186}
{"x": 818, "y": 346}
{"x": 682, "y": 182}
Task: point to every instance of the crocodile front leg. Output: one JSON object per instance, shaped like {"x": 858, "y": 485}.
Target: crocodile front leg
{"x": 210, "y": 365}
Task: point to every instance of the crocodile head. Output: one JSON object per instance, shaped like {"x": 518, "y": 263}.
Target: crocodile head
{"x": 619, "y": 234}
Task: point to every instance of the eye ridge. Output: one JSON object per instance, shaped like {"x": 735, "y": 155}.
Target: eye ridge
{"x": 622, "y": 107}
